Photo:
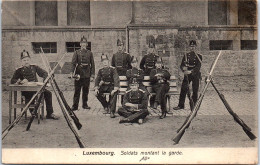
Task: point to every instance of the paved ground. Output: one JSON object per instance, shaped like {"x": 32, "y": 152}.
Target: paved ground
{"x": 213, "y": 126}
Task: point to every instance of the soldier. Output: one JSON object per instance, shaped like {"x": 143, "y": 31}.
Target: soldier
{"x": 121, "y": 60}
{"x": 135, "y": 73}
{"x": 160, "y": 85}
{"x": 27, "y": 73}
{"x": 134, "y": 106}
{"x": 148, "y": 61}
{"x": 107, "y": 81}
{"x": 190, "y": 65}
{"x": 83, "y": 65}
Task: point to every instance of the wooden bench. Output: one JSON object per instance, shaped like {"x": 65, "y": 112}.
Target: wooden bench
{"x": 173, "y": 87}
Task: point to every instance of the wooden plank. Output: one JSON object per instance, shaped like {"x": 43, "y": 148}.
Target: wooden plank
{"x": 147, "y": 84}
{"x": 146, "y": 77}
{"x": 123, "y": 83}
{"x": 173, "y": 84}
{"x": 122, "y": 78}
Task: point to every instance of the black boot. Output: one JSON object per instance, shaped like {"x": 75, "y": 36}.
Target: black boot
{"x": 163, "y": 115}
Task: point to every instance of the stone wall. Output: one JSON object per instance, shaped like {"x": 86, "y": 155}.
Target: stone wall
{"x": 235, "y": 70}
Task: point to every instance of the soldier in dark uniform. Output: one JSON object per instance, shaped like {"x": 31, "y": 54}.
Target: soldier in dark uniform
{"x": 148, "y": 61}
{"x": 121, "y": 60}
{"x": 160, "y": 85}
{"x": 27, "y": 73}
{"x": 134, "y": 106}
{"x": 83, "y": 65}
{"x": 135, "y": 73}
{"x": 107, "y": 81}
{"x": 190, "y": 65}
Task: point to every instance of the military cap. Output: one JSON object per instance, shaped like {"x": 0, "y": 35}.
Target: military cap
{"x": 104, "y": 57}
{"x": 133, "y": 81}
{"x": 25, "y": 54}
{"x": 193, "y": 43}
{"x": 83, "y": 39}
{"x": 133, "y": 59}
{"x": 119, "y": 42}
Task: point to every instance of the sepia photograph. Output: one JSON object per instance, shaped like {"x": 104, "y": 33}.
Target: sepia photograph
{"x": 144, "y": 82}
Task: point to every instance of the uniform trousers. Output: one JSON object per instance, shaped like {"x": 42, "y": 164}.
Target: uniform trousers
{"x": 111, "y": 103}
{"x": 160, "y": 90}
{"x": 133, "y": 116}
{"x": 82, "y": 83}
{"x": 47, "y": 97}
{"x": 195, "y": 79}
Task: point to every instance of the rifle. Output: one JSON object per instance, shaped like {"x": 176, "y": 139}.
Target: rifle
{"x": 246, "y": 129}
{"x": 67, "y": 107}
{"x": 181, "y": 132}
{"x": 7, "y": 129}
{"x": 66, "y": 115}
{"x": 39, "y": 100}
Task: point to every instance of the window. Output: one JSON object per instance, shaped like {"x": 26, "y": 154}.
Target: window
{"x": 217, "y": 12}
{"x": 246, "y": 12}
{"x": 78, "y": 13}
{"x": 221, "y": 45}
{"x": 48, "y": 47}
{"x": 248, "y": 44}
{"x": 46, "y": 13}
{"x": 73, "y": 46}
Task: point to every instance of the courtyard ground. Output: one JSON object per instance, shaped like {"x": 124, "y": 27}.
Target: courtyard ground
{"x": 212, "y": 127}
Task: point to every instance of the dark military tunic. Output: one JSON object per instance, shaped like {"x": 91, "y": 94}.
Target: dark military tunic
{"x": 160, "y": 86}
{"x": 122, "y": 62}
{"x": 148, "y": 63}
{"x": 137, "y": 74}
{"x": 139, "y": 98}
{"x": 193, "y": 64}
{"x": 84, "y": 61}
{"x": 29, "y": 73}
{"x": 106, "y": 81}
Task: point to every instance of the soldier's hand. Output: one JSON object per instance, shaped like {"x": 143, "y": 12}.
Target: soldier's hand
{"x": 96, "y": 92}
{"x": 129, "y": 104}
{"x": 24, "y": 81}
{"x": 187, "y": 72}
{"x": 71, "y": 75}
{"x": 91, "y": 79}
{"x": 113, "y": 92}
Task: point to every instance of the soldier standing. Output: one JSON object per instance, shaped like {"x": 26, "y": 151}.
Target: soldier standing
{"x": 160, "y": 85}
{"x": 83, "y": 65}
{"x": 190, "y": 65}
{"x": 121, "y": 60}
{"x": 148, "y": 61}
{"x": 107, "y": 81}
{"x": 27, "y": 73}
{"x": 134, "y": 106}
{"x": 135, "y": 74}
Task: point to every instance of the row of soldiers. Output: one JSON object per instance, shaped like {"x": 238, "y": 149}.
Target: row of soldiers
{"x": 135, "y": 100}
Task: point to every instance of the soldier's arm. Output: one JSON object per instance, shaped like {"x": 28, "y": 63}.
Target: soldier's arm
{"x": 42, "y": 73}
{"x": 144, "y": 102}
{"x": 142, "y": 63}
{"x": 196, "y": 69}
{"x": 97, "y": 80}
{"x": 113, "y": 61}
{"x": 74, "y": 61}
{"x": 92, "y": 65}
{"x": 16, "y": 76}
{"x": 128, "y": 74}
{"x": 182, "y": 64}
{"x": 126, "y": 100}
{"x": 116, "y": 80}
{"x": 167, "y": 75}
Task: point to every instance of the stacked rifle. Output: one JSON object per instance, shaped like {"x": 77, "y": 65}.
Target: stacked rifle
{"x": 181, "y": 130}
{"x": 66, "y": 110}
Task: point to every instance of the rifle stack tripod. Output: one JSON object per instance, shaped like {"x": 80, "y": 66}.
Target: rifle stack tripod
{"x": 181, "y": 130}
{"x": 66, "y": 110}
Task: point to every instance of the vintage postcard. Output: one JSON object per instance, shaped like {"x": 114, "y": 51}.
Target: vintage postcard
{"x": 140, "y": 82}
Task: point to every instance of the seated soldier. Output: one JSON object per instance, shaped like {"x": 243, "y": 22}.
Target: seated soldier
{"x": 27, "y": 73}
{"x": 160, "y": 86}
{"x": 107, "y": 81}
{"x": 135, "y": 73}
{"x": 134, "y": 106}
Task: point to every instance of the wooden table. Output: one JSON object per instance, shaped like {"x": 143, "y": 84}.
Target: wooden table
{"x": 13, "y": 89}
